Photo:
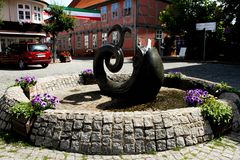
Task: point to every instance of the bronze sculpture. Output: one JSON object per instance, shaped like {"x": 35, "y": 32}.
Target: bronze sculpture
{"x": 146, "y": 78}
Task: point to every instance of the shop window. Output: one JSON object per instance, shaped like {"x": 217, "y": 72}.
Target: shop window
{"x": 127, "y": 7}
{"x": 104, "y": 13}
{"x": 115, "y": 13}
{"x": 86, "y": 41}
{"x": 94, "y": 40}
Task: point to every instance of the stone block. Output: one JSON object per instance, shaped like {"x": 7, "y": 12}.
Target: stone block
{"x": 77, "y": 124}
{"x": 107, "y": 129}
{"x": 118, "y": 126}
{"x": 150, "y": 134}
{"x": 148, "y": 122}
{"x": 117, "y": 148}
{"x": 139, "y": 134}
{"x": 178, "y": 130}
{"x": 75, "y": 146}
{"x": 129, "y": 148}
{"x": 170, "y": 132}
{"x": 86, "y": 136}
{"x": 88, "y": 119}
{"x": 117, "y": 135}
{"x": 138, "y": 122}
{"x": 128, "y": 128}
{"x": 129, "y": 138}
{"x": 87, "y": 127}
{"x": 171, "y": 144}
{"x": 68, "y": 126}
{"x": 97, "y": 125}
{"x": 76, "y": 135}
{"x": 96, "y": 136}
{"x": 180, "y": 142}
{"x": 140, "y": 146}
{"x": 161, "y": 134}
{"x": 96, "y": 148}
{"x": 150, "y": 146}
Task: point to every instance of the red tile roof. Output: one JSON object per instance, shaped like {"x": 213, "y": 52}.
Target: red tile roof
{"x": 85, "y": 3}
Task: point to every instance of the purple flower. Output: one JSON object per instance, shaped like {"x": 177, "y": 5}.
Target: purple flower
{"x": 195, "y": 97}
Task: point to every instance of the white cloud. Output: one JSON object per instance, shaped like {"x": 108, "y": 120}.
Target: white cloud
{"x": 60, "y": 2}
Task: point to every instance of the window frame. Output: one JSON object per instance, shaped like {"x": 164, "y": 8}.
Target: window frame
{"x": 115, "y": 13}
{"x": 104, "y": 13}
{"x": 127, "y": 7}
{"x": 37, "y": 13}
{"x": 104, "y": 38}
{"x": 24, "y": 12}
{"x": 94, "y": 40}
{"x": 115, "y": 37}
{"x": 86, "y": 41}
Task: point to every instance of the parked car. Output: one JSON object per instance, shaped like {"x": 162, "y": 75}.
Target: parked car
{"x": 24, "y": 54}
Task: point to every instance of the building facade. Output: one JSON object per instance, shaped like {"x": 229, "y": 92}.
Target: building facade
{"x": 142, "y": 16}
{"x": 22, "y": 22}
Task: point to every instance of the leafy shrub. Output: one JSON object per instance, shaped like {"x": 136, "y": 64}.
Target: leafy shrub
{"x": 216, "y": 112}
{"x": 22, "y": 109}
{"x": 195, "y": 97}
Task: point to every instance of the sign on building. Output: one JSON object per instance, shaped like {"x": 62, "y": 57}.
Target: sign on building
{"x": 209, "y": 26}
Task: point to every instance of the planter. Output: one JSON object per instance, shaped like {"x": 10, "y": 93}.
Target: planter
{"x": 22, "y": 126}
{"x": 219, "y": 130}
{"x": 89, "y": 80}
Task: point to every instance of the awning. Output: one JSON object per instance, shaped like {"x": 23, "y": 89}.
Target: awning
{"x": 23, "y": 33}
{"x": 78, "y": 13}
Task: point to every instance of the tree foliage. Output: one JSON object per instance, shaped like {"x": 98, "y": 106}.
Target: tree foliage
{"x": 58, "y": 22}
{"x": 182, "y": 15}
{"x": 232, "y": 18}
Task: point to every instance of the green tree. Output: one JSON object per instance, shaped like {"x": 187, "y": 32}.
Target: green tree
{"x": 58, "y": 22}
{"x": 181, "y": 16}
{"x": 232, "y": 18}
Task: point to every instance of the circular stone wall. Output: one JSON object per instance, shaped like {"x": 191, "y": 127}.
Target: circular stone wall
{"x": 112, "y": 132}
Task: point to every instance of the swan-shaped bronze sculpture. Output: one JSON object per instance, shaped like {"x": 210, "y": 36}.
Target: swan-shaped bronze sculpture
{"x": 146, "y": 78}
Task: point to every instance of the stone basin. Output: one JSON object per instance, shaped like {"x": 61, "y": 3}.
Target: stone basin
{"x": 103, "y": 132}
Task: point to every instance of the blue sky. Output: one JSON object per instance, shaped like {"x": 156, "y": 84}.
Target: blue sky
{"x": 60, "y": 2}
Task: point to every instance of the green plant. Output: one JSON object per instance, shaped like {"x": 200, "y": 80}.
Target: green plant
{"x": 38, "y": 104}
{"x": 224, "y": 87}
{"x": 176, "y": 75}
{"x": 216, "y": 112}
{"x": 22, "y": 109}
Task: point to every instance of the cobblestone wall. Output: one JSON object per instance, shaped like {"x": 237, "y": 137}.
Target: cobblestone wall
{"x": 11, "y": 96}
{"x": 121, "y": 133}
{"x": 112, "y": 132}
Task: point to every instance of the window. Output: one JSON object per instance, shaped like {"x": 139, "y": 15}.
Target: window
{"x": 94, "y": 40}
{"x": 159, "y": 34}
{"x": 37, "y": 13}
{"x": 127, "y": 7}
{"x": 104, "y": 38}
{"x": 78, "y": 41}
{"x": 115, "y": 39}
{"x": 104, "y": 13}
{"x": 24, "y": 12}
{"x": 115, "y": 7}
{"x": 86, "y": 45}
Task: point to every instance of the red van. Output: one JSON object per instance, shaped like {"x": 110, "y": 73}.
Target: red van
{"x": 24, "y": 54}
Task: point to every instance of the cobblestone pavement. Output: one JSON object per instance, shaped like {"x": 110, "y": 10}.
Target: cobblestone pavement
{"x": 225, "y": 148}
